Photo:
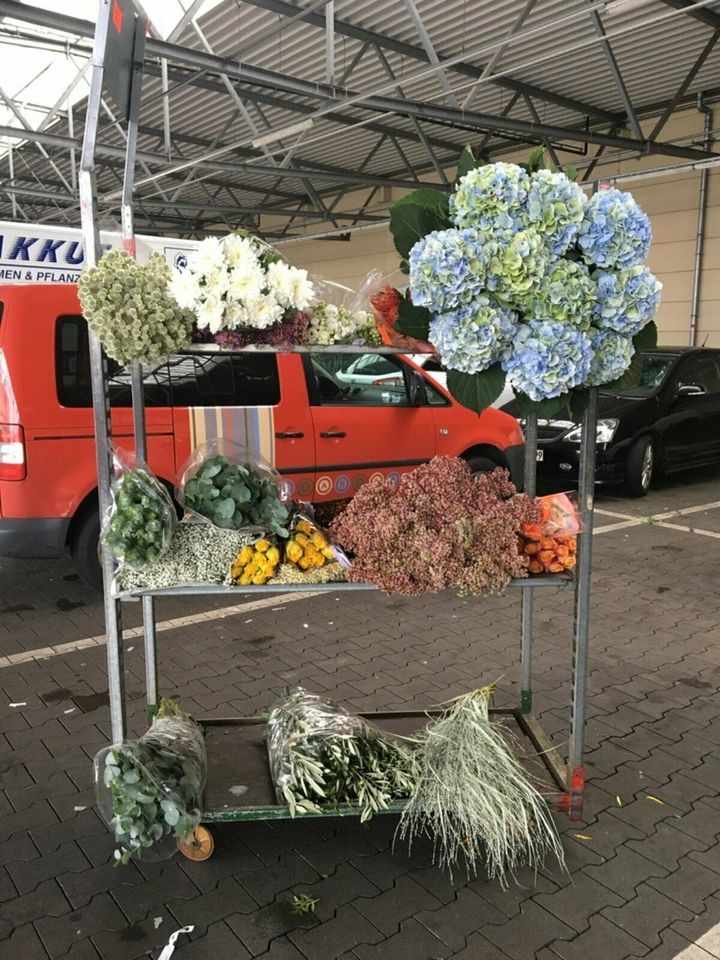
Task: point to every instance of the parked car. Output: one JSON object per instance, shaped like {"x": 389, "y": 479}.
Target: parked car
{"x": 326, "y": 437}
{"x": 668, "y": 423}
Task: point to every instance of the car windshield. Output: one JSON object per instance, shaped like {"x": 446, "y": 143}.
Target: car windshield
{"x": 655, "y": 368}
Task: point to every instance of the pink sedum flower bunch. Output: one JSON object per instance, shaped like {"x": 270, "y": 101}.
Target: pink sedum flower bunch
{"x": 438, "y": 528}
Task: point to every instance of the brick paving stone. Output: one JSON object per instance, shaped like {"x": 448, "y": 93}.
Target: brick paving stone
{"x": 388, "y": 909}
{"x": 412, "y": 942}
{"x": 282, "y": 949}
{"x": 673, "y": 946}
{"x": 626, "y": 871}
{"x": 21, "y": 944}
{"x": 703, "y": 822}
{"x": 343, "y": 886}
{"x": 60, "y": 933}
{"x": 709, "y": 858}
{"x": 667, "y": 845}
{"x": 455, "y": 921}
{"x": 602, "y": 940}
{"x": 137, "y": 940}
{"x": 218, "y": 942}
{"x": 139, "y": 899}
{"x": 703, "y": 927}
{"x": 257, "y": 930}
{"x": 578, "y": 900}
{"x": 81, "y": 886}
{"x": 341, "y": 845}
{"x": 643, "y": 916}
{"x": 346, "y": 931}
{"x": 691, "y": 884}
{"x": 534, "y": 929}
{"x": 383, "y": 868}
{"x": 478, "y": 948}
{"x": 228, "y": 897}
{"x": 290, "y": 871}
{"x": 46, "y": 900}
{"x": 439, "y": 883}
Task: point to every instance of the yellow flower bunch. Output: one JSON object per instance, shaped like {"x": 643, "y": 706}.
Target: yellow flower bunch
{"x": 308, "y": 548}
{"x": 255, "y": 564}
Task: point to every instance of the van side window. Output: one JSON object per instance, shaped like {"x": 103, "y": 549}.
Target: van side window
{"x": 197, "y": 380}
{"x": 359, "y": 380}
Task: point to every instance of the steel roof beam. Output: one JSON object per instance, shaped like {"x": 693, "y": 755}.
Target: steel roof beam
{"x": 305, "y": 173}
{"x": 616, "y": 74}
{"x": 159, "y": 48}
{"x": 682, "y": 89}
{"x": 708, "y": 17}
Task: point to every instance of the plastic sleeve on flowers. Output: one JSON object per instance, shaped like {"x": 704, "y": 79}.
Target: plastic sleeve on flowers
{"x": 560, "y": 516}
{"x": 149, "y": 791}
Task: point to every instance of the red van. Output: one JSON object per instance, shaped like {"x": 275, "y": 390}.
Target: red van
{"x": 327, "y": 421}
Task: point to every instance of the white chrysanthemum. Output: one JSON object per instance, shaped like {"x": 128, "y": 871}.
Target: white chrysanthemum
{"x": 207, "y": 258}
{"x": 246, "y": 282}
{"x": 210, "y": 314}
{"x": 263, "y": 312}
{"x": 183, "y": 288}
{"x": 216, "y": 284}
{"x": 279, "y": 280}
{"x": 236, "y": 316}
{"x": 239, "y": 251}
{"x": 302, "y": 289}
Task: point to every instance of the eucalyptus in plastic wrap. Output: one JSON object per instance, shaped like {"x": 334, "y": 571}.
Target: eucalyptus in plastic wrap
{"x": 149, "y": 791}
{"x": 141, "y": 521}
{"x": 233, "y": 488}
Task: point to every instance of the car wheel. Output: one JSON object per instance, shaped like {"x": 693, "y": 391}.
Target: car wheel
{"x": 84, "y": 547}
{"x": 640, "y": 468}
{"x": 481, "y": 465}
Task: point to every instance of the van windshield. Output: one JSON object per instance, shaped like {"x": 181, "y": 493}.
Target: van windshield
{"x": 655, "y": 368}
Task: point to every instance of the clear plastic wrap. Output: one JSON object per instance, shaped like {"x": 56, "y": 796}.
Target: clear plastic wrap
{"x": 384, "y": 295}
{"x": 308, "y": 546}
{"x": 560, "y": 515}
{"x": 149, "y": 791}
{"x": 320, "y": 755}
{"x": 340, "y": 315}
{"x": 141, "y": 521}
{"x": 234, "y": 489}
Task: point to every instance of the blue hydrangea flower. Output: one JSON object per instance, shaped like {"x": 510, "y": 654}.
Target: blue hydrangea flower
{"x": 547, "y": 359}
{"x": 447, "y": 269}
{"x": 614, "y": 232}
{"x": 612, "y": 354}
{"x": 555, "y": 208}
{"x": 475, "y": 336}
{"x": 567, "y": 293}
{"x": 626, "y": 299}
{"x": 521, "y": 265}
{"x": 491, "y": 199}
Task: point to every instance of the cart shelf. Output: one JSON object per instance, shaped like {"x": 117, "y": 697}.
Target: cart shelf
{"x": 351, "y": 348}
{"x": 239, "y": 785}
{"x": 219, "y": 589}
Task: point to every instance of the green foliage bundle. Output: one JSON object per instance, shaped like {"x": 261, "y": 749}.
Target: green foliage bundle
{"x": 236, "y": 495}
{"x": 128, "y": 308}
{"x": 149, "y": 790}
{"x": 142, "y": 520}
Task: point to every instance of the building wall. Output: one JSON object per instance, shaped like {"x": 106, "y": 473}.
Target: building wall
{"x": 671, "y": 202}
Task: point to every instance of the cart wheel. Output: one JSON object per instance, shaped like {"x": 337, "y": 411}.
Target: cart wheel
{"x": 198, "y": 845}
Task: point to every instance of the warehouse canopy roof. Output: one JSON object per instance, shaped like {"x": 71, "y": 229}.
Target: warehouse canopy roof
{"x": 309, "y": 109}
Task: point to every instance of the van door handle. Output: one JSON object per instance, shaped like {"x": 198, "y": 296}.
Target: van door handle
{"x": 288, "y": 435}
{"x": 332, "y": 434}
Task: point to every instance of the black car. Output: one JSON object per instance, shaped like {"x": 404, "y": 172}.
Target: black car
{"x": 669, "y": 422}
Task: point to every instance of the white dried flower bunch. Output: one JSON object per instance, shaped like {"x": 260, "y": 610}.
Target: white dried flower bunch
{"x": 128, "y": 308}
{"x": 330, "y": 324}
{"x": 239, "y": 282}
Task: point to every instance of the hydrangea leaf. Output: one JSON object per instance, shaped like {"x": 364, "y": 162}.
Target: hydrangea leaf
{"x": 467, "y": 162}
{"x": 476, "y": 391}
{"x": 413, "y": 321}
{"x": 415, "y": 215}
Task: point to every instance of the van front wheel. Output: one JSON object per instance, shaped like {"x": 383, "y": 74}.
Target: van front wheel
{"x": 481, "y": 465}
{"x": 84, "y": 547}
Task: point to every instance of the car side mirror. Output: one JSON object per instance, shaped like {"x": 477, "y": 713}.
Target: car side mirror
{"x": 416, "y": 389}
{"x": 690, "y": 390}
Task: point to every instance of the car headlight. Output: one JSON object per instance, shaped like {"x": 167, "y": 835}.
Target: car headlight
{"x": 604, "y": 433}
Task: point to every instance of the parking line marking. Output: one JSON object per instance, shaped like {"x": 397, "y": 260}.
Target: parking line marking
{"x": 617, "y": 526}
{"x": 613, "y": 513}
{"x": 45, "y": 653}
{"x": 685, "y": 510}
{"x": 676, "y": 526}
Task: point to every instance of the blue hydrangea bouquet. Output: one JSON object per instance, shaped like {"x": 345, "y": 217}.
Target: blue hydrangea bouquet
{"x": 518, "y": 276}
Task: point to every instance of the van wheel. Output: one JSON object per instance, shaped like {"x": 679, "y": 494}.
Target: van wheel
{"x": 481, "y": 465}
{"x": 84, "y": 547}
{"x": 640, "y": 468}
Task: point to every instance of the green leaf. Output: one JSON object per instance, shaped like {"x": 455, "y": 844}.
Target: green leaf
{"x": 415, "y": 215}
{"x": 467, "y": 162}
{"x": 571, "y": 172}
{"x": 647, "y": 338}
{"x": 536, "y": 159}
{"x": 413, "y": 321}
{"x": 476, "y": 391}
{"x": 225, "y": 509}
{"x": 543, "y": 408}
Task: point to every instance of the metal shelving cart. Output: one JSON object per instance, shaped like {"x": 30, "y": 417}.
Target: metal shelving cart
{"x": 237, "y": 743}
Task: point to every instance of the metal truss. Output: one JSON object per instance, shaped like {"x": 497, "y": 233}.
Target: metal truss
{"x": 190, "y": 183}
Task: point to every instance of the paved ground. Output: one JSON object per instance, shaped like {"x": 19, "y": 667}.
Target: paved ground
{"x": 644, "y": 865}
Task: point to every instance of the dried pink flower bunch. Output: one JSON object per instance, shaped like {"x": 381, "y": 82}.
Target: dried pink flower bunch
{"x": 439, "y": 527}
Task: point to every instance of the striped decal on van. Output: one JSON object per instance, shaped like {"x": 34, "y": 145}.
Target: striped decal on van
{"x": 251, "y": 427}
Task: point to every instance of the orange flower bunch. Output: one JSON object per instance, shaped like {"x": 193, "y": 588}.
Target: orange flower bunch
{"x": 551, "y": 554}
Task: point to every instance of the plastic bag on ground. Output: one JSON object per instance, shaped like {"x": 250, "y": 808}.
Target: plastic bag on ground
{"x": 149, "y": 791}
{"x": 233, "y": 488}
{"x": 140, "y": 524}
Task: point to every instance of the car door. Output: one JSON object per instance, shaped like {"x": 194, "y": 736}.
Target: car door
{"x": 367, "y": 420}
{"x": 251, "y": 399}
{"x": 691, "y": 425}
